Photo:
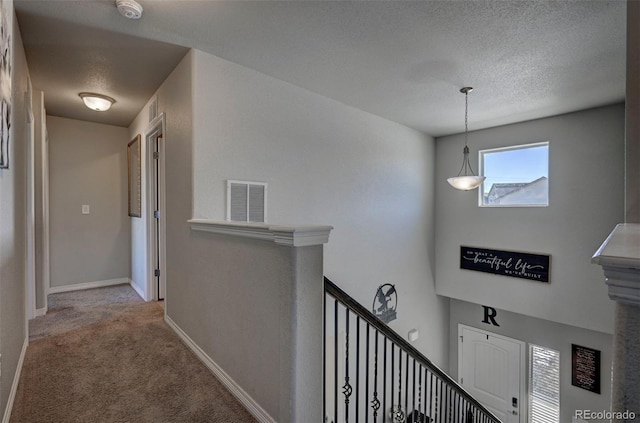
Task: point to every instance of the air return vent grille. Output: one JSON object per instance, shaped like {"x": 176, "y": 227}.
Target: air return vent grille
{"x": 246, "y": 201}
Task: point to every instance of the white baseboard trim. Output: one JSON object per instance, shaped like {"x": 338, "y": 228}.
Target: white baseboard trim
{"x": 88, "y": 285}
{"x": 16, "y": 380}
{"x": 41, "y": 311}
{"x": 253, "y": 407}
{"x": 137, "y": 289}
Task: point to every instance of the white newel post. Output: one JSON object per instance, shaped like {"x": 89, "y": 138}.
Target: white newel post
{"x": 619, "y": 257}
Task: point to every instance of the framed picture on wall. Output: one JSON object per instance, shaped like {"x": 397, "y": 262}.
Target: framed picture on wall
{"x": 135, "y": 177}
{"x": 5, "y": 82}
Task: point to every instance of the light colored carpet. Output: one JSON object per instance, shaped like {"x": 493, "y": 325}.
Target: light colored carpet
{"x": 104, "y": 355}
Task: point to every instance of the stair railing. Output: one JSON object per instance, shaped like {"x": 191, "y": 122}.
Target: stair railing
{"x": 371, "y": 374}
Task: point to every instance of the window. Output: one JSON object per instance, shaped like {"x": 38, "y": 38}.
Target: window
{"x": 246, "y": 201}
{"x": 544, "y": 389}
{"x": 516, "y": 176}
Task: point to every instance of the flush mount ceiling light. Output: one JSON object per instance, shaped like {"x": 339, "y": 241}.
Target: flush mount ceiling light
{"x": 97, "y": 102}
{"x": 466, "y": 181}
{"x": 129, "y": 9}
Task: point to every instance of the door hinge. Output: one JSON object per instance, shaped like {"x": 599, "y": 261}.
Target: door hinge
{"x": 461, "y": 381}
{"x": 156, "y": 155}
{"x": 461, "y": 338}
{"x": 156, "y": 214}
{"x": 156, "y": 273}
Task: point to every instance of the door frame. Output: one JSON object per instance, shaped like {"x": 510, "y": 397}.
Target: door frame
{"x": 30, "y": 262}
{"x": 156, "y": 125}
{"x": 524, "y": 365}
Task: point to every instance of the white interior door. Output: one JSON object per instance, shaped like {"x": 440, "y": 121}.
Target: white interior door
{"x": 490, "y": 368}
{"x": 156, "y": 227}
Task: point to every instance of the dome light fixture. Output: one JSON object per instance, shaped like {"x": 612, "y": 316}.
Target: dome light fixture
{"x": 130, "y": 9}
{"x": 97, "y": 102}
{"x": 466, "y": 181}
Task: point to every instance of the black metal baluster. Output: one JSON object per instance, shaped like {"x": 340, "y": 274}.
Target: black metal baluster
{"x": 375, "y": 404}
{"x": 413, "y": 379}
{"x": 357, "y": 368}
{"x": 366, "y": 376}
{"x": 324, "y": 356}
{"x": 335, "y": 364}
{"x": 399, "y": 417}
{"x": 346, "y": 388}
{"x": 406, "y": 384}
{"x": 384, "y": 381}
{"x": 393, "y": 352}
{"x": 440, "y": 402}
{"x": 431, "y": 396}
{"x": 447, "y": 405}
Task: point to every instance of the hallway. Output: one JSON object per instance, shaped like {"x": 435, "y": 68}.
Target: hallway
{"x": 104, "y": 355}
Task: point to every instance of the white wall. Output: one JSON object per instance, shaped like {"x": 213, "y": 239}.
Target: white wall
{"x": 326, "y": 163}
{"x": 88, "y": 166}
{"x": 13, "y": 224}
{"x": 586, "y": 186}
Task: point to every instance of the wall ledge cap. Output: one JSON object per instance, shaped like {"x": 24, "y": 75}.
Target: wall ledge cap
{"x": 621, "y": 248}
{"x": 290, "y": 236}
{"x": 619, "y": 257}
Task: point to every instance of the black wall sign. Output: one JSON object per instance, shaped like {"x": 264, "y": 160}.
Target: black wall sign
{"x": 585, "y": 368}
{"x": 507, "y": 263}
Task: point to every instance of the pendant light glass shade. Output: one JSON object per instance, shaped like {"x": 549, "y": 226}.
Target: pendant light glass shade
{"x": 468, "y": 180}
{"x": 97, "y": 102}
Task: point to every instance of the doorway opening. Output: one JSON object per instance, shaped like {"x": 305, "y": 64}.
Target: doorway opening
{"x": 156, "y": 227}
{"x": 491, "y": 368}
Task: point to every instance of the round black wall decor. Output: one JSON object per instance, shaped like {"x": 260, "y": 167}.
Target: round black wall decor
{"x": 385, "y": 303}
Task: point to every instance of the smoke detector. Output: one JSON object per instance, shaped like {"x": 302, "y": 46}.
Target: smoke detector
{"x": 129, "y": 9}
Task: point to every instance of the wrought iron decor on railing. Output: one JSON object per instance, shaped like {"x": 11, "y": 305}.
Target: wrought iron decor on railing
{"x": 371, "y": 374}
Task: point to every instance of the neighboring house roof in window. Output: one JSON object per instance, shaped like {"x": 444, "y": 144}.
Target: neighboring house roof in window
{"x": 523, "y": 193}
{"x": 499, "y": 190}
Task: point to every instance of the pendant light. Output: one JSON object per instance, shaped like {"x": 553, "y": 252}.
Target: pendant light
{"x": 466, "y": 181}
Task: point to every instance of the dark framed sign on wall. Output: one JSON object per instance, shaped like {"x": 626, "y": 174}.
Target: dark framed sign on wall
{"x": 506, "y": 263}
{"x": 585, "y": 368}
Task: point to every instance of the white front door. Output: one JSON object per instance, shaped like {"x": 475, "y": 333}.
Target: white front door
{"x": 490, "y": 368}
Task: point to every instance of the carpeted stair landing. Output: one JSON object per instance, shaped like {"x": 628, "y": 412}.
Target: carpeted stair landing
{"x": 104, "y": 355}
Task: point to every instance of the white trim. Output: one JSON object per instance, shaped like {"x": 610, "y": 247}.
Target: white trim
{"x": 16, "y": 380}
{"x": 250, "y": 404}
{"x": 88, "y": 285}
{"x": 156, "y": 125}
{"x": 41, "y": 311}
{"x": 290, "y": 236}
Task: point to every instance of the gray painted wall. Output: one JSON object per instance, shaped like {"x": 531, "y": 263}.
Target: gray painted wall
{"x": 88, "y": 165}
{"x": 633, "y": 111}
{"x": 13, "y": 228}
{"x": 547, "y": 334}
{"x": 586, "y": 189}
{"x": 41, "y": 175}
{"x": 326, "y": 163}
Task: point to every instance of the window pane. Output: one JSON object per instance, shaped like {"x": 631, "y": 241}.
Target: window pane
{"x": 544, "y": 392}
{"x": 516, "y": 176}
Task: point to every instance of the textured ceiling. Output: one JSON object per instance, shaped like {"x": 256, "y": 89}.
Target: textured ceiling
{"x": 402, "y": 60}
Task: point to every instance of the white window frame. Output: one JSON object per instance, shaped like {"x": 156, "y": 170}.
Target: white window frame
{"x": 509, "y": 148}
{"x": 530, "y": 382}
